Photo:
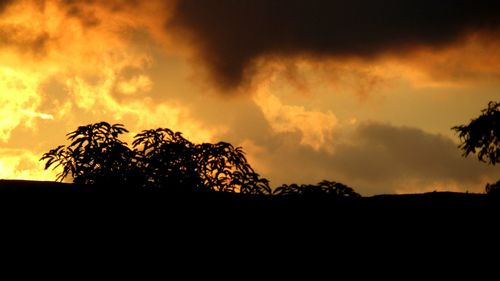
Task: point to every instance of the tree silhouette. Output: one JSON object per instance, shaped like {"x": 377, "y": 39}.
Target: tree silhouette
{"x": 328, "y": 188}
{"x": 160, "y": 158}
{"x": 483, "y": 134}
{"x": 225, "y": 168}
{"x": 166, "y": 159}
{"x": 95, "y": 156}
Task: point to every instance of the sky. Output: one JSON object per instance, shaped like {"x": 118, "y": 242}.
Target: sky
{"x": 360, "y": 92}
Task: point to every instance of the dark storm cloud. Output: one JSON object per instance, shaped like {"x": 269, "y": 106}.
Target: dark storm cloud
{"x": 230, "y": 34}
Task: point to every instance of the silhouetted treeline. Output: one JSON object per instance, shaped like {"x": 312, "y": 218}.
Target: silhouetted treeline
{"x": 163, "y": 159}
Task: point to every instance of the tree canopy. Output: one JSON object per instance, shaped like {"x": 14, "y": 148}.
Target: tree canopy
{"x": 164, "y": 159}
{"x": 159, "y": 158}
{"x": 482, "y": 135}
{"x": 95, "y": 155}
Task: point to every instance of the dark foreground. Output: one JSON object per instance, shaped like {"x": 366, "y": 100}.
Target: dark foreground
{"x": 66, "y": 199}
{"x": 220, "y": 229}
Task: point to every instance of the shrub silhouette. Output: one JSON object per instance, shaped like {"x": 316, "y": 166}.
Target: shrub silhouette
{"x": 328, "y": 188}
{"x": 493, "y": 188}
{"x": 160, "y": 158}
{"x": 483, "y": 134}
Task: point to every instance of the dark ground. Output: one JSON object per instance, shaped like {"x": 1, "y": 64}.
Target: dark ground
{"x": 63, "y": 199}
{"x": 122, "y": 230}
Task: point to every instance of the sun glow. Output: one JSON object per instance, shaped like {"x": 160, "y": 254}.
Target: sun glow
{"x": 59, "y": 70}
{"x": 22, "y": 164}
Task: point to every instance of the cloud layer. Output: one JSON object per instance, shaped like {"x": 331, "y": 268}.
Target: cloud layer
{"x": 379, "y": 158}
{"x": 66, "y": 63}
{"x": 229, "y": 35}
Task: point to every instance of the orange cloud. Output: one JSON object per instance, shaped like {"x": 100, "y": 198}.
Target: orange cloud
{"x": 75, "y": 75}
{"x": 473, "y": 61}
{"x": 315, "y": 127}
{"x": 22, "y": 164}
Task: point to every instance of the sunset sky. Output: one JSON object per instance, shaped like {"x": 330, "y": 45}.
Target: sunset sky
{"x": 360, "y": 92}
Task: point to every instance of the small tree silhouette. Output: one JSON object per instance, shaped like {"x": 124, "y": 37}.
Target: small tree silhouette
{"x": 328, "y": 188}
{"x": 95, "y": 156}
{"x": 166, "y": 159}
{"x": 483, "y": 134}
{"x": 226, "y": 168}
